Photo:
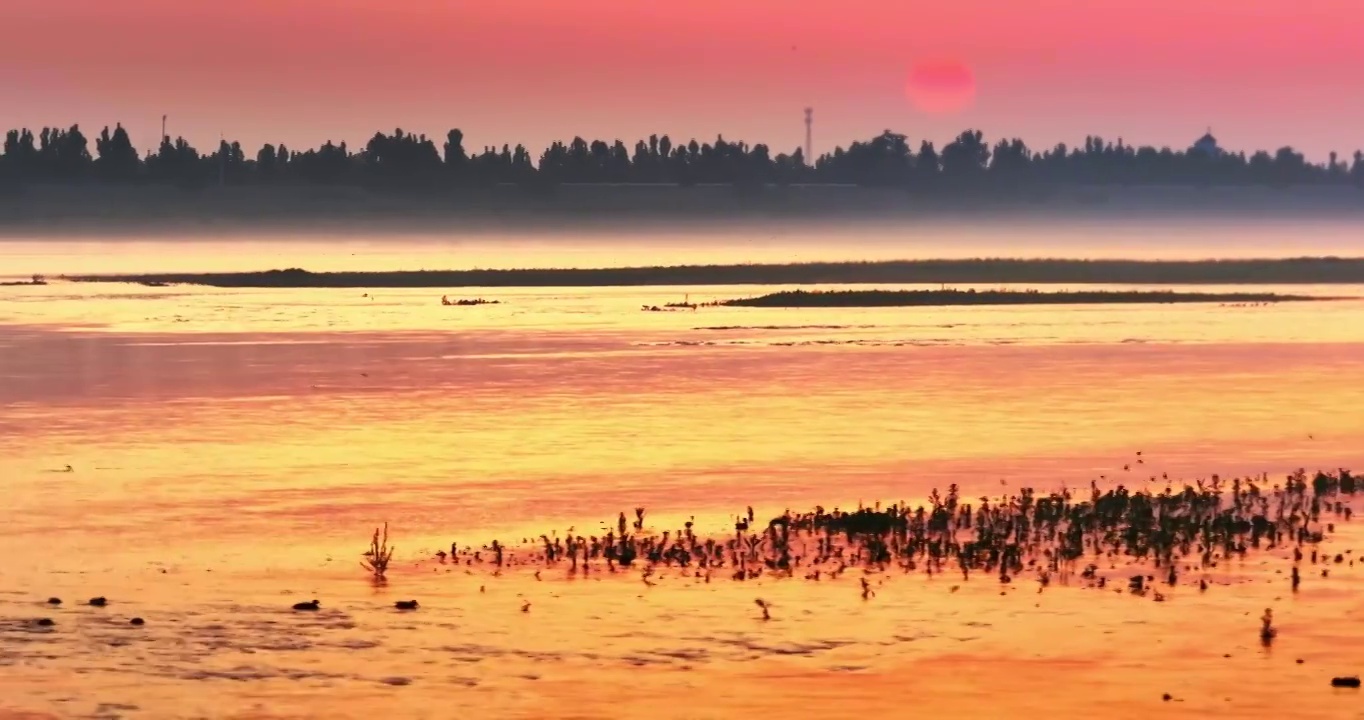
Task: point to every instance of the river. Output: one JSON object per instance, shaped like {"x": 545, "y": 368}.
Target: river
{"x": 230, "y": 451}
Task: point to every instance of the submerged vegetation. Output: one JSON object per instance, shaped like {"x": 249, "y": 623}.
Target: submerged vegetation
{"x": 1153, "y": 544}
{"x": 36, "y": 280}
{"x": 378, "y": 556}
{"x": 1306, "y": 270}
{"x": 1164, "y": 536}
{"x": 465, "y": 302}
{"x": 911, "y": 298}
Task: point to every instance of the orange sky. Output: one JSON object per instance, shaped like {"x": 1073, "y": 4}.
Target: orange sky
{"x": 299, "y": 71}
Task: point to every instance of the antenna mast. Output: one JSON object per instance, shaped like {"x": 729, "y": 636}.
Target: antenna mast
{"x": 809, "y": 136}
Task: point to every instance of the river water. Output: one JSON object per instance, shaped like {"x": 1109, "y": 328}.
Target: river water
{"x": 230, "y": 452}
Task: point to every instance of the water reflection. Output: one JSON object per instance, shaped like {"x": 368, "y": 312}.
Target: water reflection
{"x": 510, "y": 414}
{"x": 231, "y": 449}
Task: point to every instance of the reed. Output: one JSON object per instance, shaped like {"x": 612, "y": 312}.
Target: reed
{"x": 1170, "y": 534}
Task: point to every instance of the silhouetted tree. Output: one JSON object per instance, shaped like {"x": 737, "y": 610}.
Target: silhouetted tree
{"x": 62, "y": 156}
{"x": 177, "y": 164}
{"x": 327, "y": 165}
{"x": 456, "y": 159}
{"x": 266, "y": 168}
{"x": 1011, "y": 162}
{"x": 966, "y": 157}
{"x": 21, "y": 155}
{"x": 402, "y": 161}
{"x": 118, "y": 160}
{"x": 928, "y": 165}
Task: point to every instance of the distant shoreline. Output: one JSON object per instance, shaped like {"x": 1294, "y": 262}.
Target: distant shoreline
{"x": 1296, "y": 271}
{"x": 954, "y": 298}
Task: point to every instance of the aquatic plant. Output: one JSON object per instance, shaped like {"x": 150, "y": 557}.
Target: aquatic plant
{"x": 1267, "y": 629}
{"x": 378, "y": 556}
{"x": 465, "y": 302}
{"x": 1053, "y": 537}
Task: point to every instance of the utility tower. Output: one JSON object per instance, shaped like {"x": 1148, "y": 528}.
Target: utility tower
{"x": 809, "y": 136}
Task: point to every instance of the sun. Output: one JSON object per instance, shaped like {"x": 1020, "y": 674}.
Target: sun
{"x": 941, "y": 86}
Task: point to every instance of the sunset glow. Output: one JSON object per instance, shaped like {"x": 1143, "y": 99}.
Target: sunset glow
{"x": 533, "y": 71}
{"x": 942, "y": 86}
{"x": 526, "y": 359}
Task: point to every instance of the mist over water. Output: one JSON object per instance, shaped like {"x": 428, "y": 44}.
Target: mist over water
{"x": 767, "y": 242}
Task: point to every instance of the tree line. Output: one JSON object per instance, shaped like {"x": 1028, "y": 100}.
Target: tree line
{"x": 409, "y": 162}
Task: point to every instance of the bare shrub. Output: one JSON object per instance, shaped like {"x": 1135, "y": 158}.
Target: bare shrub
{"x": 379, "y": 554}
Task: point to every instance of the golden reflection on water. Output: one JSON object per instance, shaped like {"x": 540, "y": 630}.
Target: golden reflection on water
{"x": 245, "y": 442}
{"x": 604, "y": 646}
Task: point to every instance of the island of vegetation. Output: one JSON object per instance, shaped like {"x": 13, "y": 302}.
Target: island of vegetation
{"x": 58, "y": 175}
{"x": 949, "y": 297}
{"x": 1319, "y": 270}
{"x": 465, "y": 302}
{"x": 35, "y": 281}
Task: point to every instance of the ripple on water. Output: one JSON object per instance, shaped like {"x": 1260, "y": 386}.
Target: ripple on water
{"x": 686, "y": 654}
{"x": 643, "y": 661}
{"x": 472, "y": 653}
{"x": 243, "y": 673}
{"x": 760, "y": 648}
{"x": 353, "y": 644}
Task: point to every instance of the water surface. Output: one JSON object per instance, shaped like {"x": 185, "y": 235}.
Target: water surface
{"x": 231, "y": 451}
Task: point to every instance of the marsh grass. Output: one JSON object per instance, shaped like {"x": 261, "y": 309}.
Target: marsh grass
{"x": 378, "y": 556}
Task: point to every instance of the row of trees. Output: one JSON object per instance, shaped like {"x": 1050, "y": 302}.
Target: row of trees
{"x": 410, "y": 162}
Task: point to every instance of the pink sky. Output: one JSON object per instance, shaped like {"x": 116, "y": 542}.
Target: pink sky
{"x": 1262, "y": 73}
